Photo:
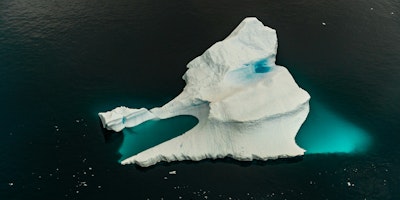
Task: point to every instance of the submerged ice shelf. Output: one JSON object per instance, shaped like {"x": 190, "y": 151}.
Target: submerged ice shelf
{"x": 151, "y": 133}
{"x": 327, "y": 132}
{"x": 247, "y": 106}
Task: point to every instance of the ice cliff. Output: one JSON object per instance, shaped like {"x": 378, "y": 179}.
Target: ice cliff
{"x": 247, "y": 106}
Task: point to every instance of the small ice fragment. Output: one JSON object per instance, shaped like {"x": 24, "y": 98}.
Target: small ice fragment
{"x": 392, "y": 13}
{"x": 372, "y": 8}
{"x": 172, "y": 172}
{"x": 350, "y": 184}
{"x": 11, "y": 184}
{"x": 323, "y": 23}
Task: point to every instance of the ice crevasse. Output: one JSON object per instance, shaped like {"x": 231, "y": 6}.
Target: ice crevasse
{"x": 247, "y": 106}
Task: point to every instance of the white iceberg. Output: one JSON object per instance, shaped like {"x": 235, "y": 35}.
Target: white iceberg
{"x": 123, "y": 117}
{"x": 247, "y": 106}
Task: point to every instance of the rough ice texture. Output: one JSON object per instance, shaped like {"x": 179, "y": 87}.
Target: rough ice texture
{"x": 247, "y": 106}
{"x": 123, "y": 117}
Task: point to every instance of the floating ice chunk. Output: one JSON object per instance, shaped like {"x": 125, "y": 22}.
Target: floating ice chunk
{"x": 123, "y": 117}
{"x": 247, "y": 106}
{"x": 172, "y": 172}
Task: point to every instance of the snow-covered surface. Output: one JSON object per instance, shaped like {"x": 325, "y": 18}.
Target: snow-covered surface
{"x": 123, "y": 117}
{"x": 247, "y": 106}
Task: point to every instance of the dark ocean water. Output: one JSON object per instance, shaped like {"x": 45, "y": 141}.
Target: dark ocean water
{"x": 62, "y": 62}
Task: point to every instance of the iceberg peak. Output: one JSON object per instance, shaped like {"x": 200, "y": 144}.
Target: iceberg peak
{"x": 247, "y": 106}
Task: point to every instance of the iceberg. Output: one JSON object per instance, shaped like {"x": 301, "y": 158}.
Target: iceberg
{"x": 123, "y": 117}
{"x": 247, "y": 106}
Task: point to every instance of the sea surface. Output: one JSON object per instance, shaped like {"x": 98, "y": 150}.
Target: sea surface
{"x": 62, "y": 62}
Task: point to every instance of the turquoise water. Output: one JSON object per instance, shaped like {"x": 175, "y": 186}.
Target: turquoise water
{"x": 62, "y": 62}
{"x": 327, "y": 132}
{"x": 153, "y": 132}
{"x": 323, "y": 132}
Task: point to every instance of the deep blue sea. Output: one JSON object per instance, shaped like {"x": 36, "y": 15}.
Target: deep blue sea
{"x": 62, "y": 62}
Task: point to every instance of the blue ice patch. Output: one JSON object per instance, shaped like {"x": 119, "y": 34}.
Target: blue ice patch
{"x": 260, "y": 66}
{"x": 249, "y": 72}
